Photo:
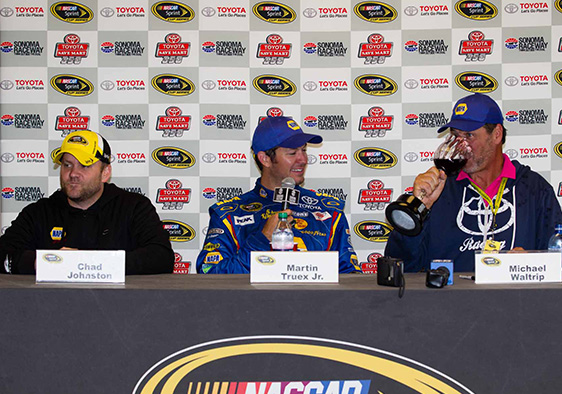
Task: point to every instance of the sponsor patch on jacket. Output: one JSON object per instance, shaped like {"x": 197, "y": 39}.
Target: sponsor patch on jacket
{"x": 322, "y": 215}
{"x": 57, "y": 233}
{"x": 244, "y": 220}
{"x": 252, "y": 207}
{"x": 209, "y": 246}
{"x": 213, "y": 258}
{"x": 299, "y": 224}
{"x": 215, "y": 231}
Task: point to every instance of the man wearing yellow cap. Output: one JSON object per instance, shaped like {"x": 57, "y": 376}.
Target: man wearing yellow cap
{"x": 88, "y": 213}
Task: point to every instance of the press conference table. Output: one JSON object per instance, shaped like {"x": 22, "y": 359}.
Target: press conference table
{"x": 102, "y": 339}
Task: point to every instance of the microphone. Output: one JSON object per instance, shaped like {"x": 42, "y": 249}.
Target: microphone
{"x": 287, "y": 183}
{"x": 286, "y": 194}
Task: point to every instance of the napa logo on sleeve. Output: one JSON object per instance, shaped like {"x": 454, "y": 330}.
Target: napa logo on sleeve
{"x": 70, "y": 12}
{"x": 366, "y": 370}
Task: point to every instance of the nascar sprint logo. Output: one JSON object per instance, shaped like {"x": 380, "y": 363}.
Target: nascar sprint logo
{"x": 172, "y": 157}
{"x": 173, "y": 85}
{"x": 173, "y": 12}
{"x": 272, "y": 12}
{"x": 376, "y": 158}
{"x": 72, "y": 85}
{"x": 558, "y": 77}
{"x": 476, "y": 82}
{"x": 476, "y": 10}
{"x": 375, "y": 85}
{"x": 490, "y": 261}
{"x": 373, "y": 230}
{"x": 274, "y": 85}
{"x": 558, "y": 149}
{"x": 375, "y": 12}
{"x": 347, "y": 368}
{"x": 178, "y": 231}
{"x": 70, "y": 12}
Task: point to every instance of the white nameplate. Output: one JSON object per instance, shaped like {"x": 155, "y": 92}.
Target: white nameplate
{"x": 294, "y": 267}
{"x": 524, "y": 267}
{"x": 80, "y": 266}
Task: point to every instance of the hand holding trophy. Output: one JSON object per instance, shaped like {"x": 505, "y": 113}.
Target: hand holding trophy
{"x": 407, "y": 213}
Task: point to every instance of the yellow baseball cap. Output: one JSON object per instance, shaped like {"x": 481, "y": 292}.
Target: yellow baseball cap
{"x": 86, "y": 146}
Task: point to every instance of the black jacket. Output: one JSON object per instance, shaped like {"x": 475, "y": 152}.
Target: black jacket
{"x": 119, "y": 220}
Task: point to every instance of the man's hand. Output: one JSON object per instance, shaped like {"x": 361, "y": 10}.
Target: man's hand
{"x": 429, "y": 185}
{"x": 271, "y": 223}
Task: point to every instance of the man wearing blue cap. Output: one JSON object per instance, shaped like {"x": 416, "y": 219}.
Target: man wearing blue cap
{"x": 492, "y": 204}
{"x": 245, "y": 223}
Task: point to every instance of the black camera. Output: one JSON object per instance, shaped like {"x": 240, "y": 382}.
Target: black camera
{"x": 437, "y": 278}
{"x": 390, "y": 272}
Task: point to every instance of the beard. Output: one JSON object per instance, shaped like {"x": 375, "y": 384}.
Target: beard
{"x": 79, "y": 192}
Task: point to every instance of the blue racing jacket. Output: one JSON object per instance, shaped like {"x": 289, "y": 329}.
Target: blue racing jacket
{"x": 235, "y": 230}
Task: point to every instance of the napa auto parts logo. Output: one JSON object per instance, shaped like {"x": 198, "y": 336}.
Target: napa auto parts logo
{"x": 173, "y": 374}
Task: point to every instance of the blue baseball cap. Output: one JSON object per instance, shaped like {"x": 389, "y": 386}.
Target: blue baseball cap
{"x": 474, "y": 111}
{"x": 281, "y": 131}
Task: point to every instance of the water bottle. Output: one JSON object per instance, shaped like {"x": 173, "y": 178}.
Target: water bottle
{"x": 282, "y": 238}
{"x": 555, "y": 242}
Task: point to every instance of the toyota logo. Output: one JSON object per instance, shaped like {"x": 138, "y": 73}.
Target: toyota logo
{"x": 208, "y": 12}
{"x": 72, "y": 112}
{"x": 208, "y": 84}
{"x": 274, "y": 111}
{"x": 173, "y": 111}
{"x": 112, "y": 159}
{"x": 511, "y": 8}
{"x": 209, "y": 157}
{"x": 71, "y": 39}
{"x": 511, "y": 81}
{"x": 511, "y": 153}
{"x": 173, "y": 38}
{"x": 7, "y": 157}
{"x": 411, "y": 84}
{"x": 6, "y": 84}
{"x": 107, "y": 12}
{"x": 411, "y": 157}
{"x": 107, "y": 85}
{"x": 312, "y": 159}
{"x": 6, "y": 12}
{"x": 411, "y": 10}
{"x": 309, "y": 12}
{"x": 309, "y": 86}
{"x": 173, "y": 184}
{"x": 309, "y": 200}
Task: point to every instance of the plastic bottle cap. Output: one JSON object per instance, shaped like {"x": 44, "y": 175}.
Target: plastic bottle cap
{"x": 283, "y": 215}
